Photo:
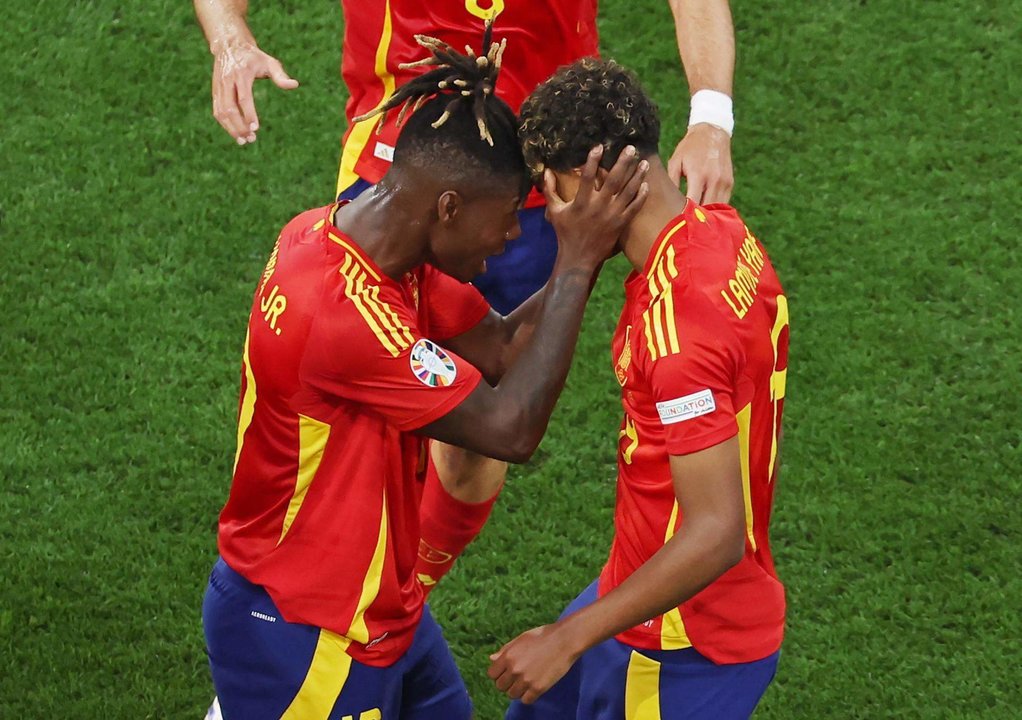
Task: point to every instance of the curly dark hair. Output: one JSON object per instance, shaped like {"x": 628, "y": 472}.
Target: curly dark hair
{"x": 590, "y": 102}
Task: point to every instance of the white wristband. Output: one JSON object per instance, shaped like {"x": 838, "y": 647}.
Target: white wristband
{"x": 713, "y": 107}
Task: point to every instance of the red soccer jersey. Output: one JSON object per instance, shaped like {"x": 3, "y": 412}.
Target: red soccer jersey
{"x": 701, "y": 353}
{"x": 337, "y": 372}
{"x": 379, "y": 35}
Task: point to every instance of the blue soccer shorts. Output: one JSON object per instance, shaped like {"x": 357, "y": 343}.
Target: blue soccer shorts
{"x": 524, "y": 267}
{"x": 614, "y": 681}
{"x": 264, "y": 667}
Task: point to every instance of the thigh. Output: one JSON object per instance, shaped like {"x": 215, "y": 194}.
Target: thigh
{"x": 691, "y": 687}
{"x": 432, "y": 687}
{"x": 524, "y": 267}
{"x": 264, "y": 667}
{"x": 257, "y": 660}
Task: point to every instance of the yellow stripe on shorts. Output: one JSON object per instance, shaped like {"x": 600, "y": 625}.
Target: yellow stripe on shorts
{"x": 325, "y": 680}
{"x": 642, "y": 688}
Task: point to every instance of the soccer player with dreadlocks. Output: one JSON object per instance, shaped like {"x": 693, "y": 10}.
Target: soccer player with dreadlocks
{"x": 686, "y": 619}
{"x": 362, "y": 345}
{"x": 379, "y": 53}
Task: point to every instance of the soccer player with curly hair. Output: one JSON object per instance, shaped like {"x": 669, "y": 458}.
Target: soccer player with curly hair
{"x": 364, "y": 342}
{"x": 687, "y": 616}
{"x": 379, "y": 54}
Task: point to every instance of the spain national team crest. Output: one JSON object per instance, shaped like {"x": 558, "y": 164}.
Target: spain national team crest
{"x": 431, "y": 364}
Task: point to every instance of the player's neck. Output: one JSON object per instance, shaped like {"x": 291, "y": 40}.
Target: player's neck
{"x": 665, "y": 202}
{"x": 381, "y": 221}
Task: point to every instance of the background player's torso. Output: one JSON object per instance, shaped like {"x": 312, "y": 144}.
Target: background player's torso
{"x": 706, "y": 263}
{"x": 379, "y": 36}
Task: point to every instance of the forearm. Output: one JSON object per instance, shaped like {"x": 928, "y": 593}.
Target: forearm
{"x": 687, "y": 563}
{"x": 533, "y": 383}
{"x": 518, "y": 328}
{"x": 507, "y": 420}
{"x": 223, "y": 22}
{"x": 706, "y": 43}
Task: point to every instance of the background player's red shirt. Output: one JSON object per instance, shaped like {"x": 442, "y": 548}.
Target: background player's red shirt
{"x": 379, "y": 35}
{"x": 701, "y": 353}
{"x": 323, "y": 509}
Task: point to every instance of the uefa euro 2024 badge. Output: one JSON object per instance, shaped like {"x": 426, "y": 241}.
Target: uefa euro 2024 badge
{"x": 431, "y": 364}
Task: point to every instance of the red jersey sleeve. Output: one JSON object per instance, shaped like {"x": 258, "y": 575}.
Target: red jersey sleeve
{"x": 453, "y": 307}
{"x": 695, "y": 388}
{"x": 373, "y": 354}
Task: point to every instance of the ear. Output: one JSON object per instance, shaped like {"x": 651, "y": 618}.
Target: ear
{"x": 448, "y": 205}
{"x": 567, "y": 183}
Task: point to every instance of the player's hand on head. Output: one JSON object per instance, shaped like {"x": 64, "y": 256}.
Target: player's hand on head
{"x": 530, "y": 664}
{"x": 588, "y": 227}
{"x": 704, "y": 157}
{"x": 235, "y": 68}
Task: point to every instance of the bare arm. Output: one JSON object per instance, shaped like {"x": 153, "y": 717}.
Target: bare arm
{"x": 710, "y": 540}
{"x": 507, "y": 422}
{"x": 706, "y": 43}
{"x": 496, "y": 341}
{"x": 237, "y": 62}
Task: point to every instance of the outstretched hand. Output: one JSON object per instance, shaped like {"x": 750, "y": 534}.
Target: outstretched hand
{"x": 235, "y": 68}
{"x": 589, "y": 225}
{"x": 704, "y": 157}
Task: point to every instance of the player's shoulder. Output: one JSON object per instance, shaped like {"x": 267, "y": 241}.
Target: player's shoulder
{"x": 307, "y": 222}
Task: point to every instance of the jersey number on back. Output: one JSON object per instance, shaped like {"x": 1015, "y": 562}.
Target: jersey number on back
{"x": 493, "y": 9}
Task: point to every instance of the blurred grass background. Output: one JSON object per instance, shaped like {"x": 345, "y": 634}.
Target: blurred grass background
{"x": 877, "y": 155}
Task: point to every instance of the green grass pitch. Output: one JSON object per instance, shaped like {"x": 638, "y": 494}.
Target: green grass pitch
{"x": 878, "y": 157}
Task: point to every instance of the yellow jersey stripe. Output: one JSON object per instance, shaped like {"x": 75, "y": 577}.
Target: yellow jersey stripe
{"x": 642, "y": 688}
{"x": 312, "y": 439}
{"x": 672, "y": 267}
{"x": 646, "y": 321}
{"x": 744, "y": 418}
{"x": 673, "y": 635}
{"x": 351, "y": 291}
{"x": 672, "y": 328}
{"x": 658, "y": 328}
{"x": 663, "y": 245}
{"x": 328, "y": 673}
{"x": 661, "y": 276}
{"x": 779, "y": 378}
{"x": 665, "y": 269}
{"x": 247, "y": 403}
{"x": 403, "y": 333}
{"x": 654, "y": 287}
{"x": 354, "y": 255}
{"x": 371, "y": 585}
{"x": 379, "y": 309}
{"x": 362, "y": 132}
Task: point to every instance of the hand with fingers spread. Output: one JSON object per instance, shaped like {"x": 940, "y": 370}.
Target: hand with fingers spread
{"x": 531, "y": 664}
{"x": 704, "y": 157}
{"x": 588, "y": 226}
{"x": 235, "y": 68}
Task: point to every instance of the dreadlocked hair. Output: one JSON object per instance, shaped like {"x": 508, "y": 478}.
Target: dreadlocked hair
{"x": 468, "y": 77}
{"x": 590, "y": 102}
{"x": 450, "y": 117}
